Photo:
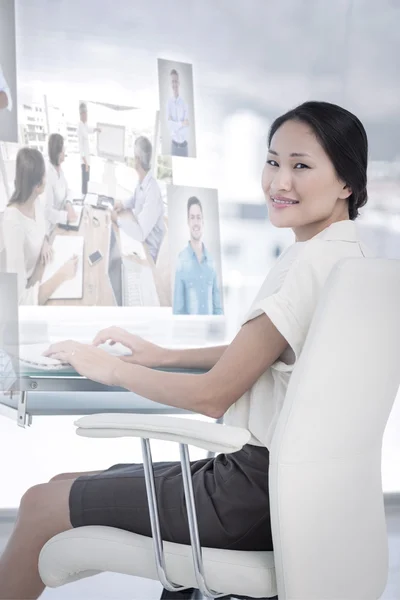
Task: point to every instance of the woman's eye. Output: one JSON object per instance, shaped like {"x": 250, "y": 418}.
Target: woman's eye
{"x": 273, "y": 163}
{"x": 301, "y": 166}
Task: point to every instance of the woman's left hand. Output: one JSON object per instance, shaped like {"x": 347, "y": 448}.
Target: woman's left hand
{"x": 46, "y": 254}
{"x": 87, "y": 360}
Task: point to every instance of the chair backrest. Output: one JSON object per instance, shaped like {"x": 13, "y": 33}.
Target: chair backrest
{"x": 327, "y": 508}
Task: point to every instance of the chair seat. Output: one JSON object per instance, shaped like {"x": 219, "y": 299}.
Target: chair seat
{"x": 87, "y": 551}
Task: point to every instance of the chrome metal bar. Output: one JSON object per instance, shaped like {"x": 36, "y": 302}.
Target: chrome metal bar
{"x": 24, "y": 419}
{"x": 154, "y": 519}
{"x": 193, "y": 528}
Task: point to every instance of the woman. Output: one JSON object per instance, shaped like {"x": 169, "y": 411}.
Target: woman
{"x": 314, "y": 182}
{"x": 58, "y": 208}
{"x": 24, "y": 232}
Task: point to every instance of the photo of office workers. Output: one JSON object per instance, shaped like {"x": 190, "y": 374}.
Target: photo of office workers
{"x": 8, "y": 73}
{"x": 88, "y": 249}
{"x": 24, "y": 233}
{"x": 195, "y": 251}
{"x": 177, "y": 118}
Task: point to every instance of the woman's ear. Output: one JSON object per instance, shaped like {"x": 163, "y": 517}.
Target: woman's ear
{"x": 346, "y": 192}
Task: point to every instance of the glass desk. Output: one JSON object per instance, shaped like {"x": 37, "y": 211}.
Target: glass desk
{"x": 67, "y": 393}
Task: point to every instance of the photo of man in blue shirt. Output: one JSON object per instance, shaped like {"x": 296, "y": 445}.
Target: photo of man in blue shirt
{"x": 196, "y": 289}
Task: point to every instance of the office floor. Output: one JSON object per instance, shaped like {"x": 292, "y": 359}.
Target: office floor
{"x": 110, "y": 586}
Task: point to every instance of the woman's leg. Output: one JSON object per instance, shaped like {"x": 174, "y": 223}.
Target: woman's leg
{"x": 43, "y": 513}
{"x": 62, "y": 476}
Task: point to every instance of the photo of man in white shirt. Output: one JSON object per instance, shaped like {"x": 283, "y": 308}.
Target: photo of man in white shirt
{"x": 177, "y": 110}
{"x": 5, "y": 93}
{"x": 84, "y": 147}
{"x": 177, "y": 118}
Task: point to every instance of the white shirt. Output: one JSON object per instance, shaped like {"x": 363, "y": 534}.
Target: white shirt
{"x": 56, "y": 195}
{"x": 148, "y": 209}
{"x": 4, "y": 88}
{"x": 23, "y": 241}
{"x": 177, "y": 112}
{"x": 83, "y": 137}
{"x": 289, "y": 296}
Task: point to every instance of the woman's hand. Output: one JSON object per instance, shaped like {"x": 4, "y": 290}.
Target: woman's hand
{"x": 88, "y": 361}
{"x": 68, "y": 270}
{"x": 46, "y": 254}
{"x": 71, "y": 214}
{"x": 143, "y": 353}
{"x": 118, "y": 206}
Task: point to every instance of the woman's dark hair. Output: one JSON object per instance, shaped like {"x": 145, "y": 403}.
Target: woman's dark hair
{"x": 29, "y": 173}
{"x": 56, "y": 145}
{"x": 343, "y": 137}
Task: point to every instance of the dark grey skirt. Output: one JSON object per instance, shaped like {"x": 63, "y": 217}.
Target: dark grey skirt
{"x": 231, "y": 495}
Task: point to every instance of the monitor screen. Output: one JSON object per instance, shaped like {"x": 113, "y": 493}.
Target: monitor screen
{"x": 111, "y": 142}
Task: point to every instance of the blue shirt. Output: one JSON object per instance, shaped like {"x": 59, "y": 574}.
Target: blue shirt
{"x": 196, "y": 286}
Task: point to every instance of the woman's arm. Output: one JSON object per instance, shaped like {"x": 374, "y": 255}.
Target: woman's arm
{"x": 53, "y": 215}
{"x": 195, "y": 358}
{"x": 47, "y": 289}
{"x": 255, "y": 348}
{"x": 148, "y": 354}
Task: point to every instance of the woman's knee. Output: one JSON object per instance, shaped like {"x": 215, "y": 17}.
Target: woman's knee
{"x": 61, "y": 476}
{"x": 47, "y": 503}
{"x": 34, "y": 500}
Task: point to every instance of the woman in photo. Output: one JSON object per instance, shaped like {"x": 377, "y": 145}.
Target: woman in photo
{"x": 58, "y": 208}
{"x": 24, "y": 232}
{"x": 314, "y": 182}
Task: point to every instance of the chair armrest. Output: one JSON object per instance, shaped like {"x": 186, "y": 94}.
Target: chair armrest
{"x": 209, "y": 436}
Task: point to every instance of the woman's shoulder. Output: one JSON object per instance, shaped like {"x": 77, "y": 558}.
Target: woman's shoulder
{"x": 51, "y": 172}
{"x": 13, "y": 222}
{"x": 12, "y": 214}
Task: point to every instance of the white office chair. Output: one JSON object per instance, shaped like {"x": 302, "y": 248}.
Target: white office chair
{"x": 327, "y": 511}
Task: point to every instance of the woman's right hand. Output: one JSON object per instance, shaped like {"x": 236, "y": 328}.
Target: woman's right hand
{"x": 118, "y": 206}
{"x": 143, "y": 353}
{"x": 71, "y": 214}
{"x": 68, "y": 270}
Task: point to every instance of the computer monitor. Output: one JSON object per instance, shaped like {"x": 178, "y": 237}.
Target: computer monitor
{"x": 115, "y": 268}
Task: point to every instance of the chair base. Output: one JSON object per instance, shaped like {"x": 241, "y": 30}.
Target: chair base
{"x": 194, "y": 594}
{"x": 188, "y": 594}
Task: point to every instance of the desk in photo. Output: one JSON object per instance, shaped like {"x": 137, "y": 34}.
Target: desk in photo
{"x": 95, "y": 228}
{"x": 44, "y": 393}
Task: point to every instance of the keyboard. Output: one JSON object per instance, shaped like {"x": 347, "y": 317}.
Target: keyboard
{"x": 31, "y": 356}
{"x": 132, "y": 289}
{"x": 138, "y": 285}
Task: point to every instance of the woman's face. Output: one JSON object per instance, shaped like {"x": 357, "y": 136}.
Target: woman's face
{"x": 40, "y": 188}
{"x": 300, "y": 184}
{"x": 61, "y": 156}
